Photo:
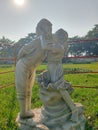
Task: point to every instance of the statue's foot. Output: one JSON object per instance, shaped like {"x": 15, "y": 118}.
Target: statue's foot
{"x": 74, "y": 116}
{"x": 28, "y": 114}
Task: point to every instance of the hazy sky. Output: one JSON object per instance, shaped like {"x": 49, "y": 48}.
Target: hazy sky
{"x": 77, "y": 17}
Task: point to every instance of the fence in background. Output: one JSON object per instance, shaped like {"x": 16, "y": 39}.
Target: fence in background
{"x": 12, "y": 60}
{"x": 77, "y": 57}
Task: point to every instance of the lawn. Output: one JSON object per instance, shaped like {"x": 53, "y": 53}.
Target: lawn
{"x": 87, "y": 96}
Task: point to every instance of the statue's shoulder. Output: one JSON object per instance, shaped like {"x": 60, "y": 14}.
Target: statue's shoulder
{"x": 36, "y": 40}
{"x": 33, "y": 44}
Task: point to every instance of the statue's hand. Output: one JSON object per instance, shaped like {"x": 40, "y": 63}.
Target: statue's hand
{"x": 49, "y": 85}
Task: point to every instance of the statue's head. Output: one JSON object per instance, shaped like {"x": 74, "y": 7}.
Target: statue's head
{"x": 44, "y": 28}
{"x": 61, "y": 36}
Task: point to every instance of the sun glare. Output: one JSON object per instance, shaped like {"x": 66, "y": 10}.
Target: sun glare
{"x": 19, "y": 2}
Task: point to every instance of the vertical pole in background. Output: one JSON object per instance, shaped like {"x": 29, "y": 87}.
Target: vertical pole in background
{"x": 15, "y": 54}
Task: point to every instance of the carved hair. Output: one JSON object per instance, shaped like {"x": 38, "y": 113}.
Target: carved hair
{"x": 61, "y": 34}
{"x": 41, "y": 26}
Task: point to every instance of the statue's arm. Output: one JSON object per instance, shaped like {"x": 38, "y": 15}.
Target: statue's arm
{"x": 27, "y": 49}
{"x": 51, "y": 46}
{"x": 67, "y": 99}
{"x": 21, "y": 53}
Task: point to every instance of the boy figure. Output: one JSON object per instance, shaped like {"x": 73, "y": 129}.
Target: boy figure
{"x": 29, "y": 57}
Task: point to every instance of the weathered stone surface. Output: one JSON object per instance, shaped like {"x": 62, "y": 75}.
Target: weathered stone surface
{"x": 29, "y": 57}
{"x": 32, "y": 123}
{"x": 59, "y": 112}
{"x": 36, "y": 123}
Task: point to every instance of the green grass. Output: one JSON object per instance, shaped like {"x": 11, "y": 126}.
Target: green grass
{"x": 9, "y": 107}
{"x": 92, "y": 66}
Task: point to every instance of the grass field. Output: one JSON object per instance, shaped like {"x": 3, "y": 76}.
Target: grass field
{"x": 87, "y": 96}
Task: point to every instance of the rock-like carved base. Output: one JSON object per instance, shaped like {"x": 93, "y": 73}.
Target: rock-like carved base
{"x": 59, "y": 112}
{"x": 35, "y": 123}
{"x": 64, "y": 122}
{"x": 56, "y": 113}
{"x": 31, "y": 123}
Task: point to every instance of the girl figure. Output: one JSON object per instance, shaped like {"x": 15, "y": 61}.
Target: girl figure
{"x": 55, "y": 70}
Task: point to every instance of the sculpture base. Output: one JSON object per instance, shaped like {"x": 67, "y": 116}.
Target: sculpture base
{"x": 35, "y": 123}
{"x": 31, "y": 123}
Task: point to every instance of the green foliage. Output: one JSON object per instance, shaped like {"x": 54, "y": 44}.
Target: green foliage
{"x": 87, "y": 48}
{"x": 6, "y": 41}
{"x": 82, "y": 48}
{"x": 93, "y": 33}
{"x": 9, "y": 107}
{"x": 6, "y": 49}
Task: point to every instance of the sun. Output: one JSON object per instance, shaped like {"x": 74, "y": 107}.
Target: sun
{"x": 19, "y": 2}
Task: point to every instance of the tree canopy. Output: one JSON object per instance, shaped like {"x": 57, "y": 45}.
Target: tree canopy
{"x": 78, "y": 46}
{"x": 87, "y": 47}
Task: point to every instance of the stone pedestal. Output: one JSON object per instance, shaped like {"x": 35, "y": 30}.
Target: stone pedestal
{"x": 56, "y": 112}
{"x": 32, "y": 123}
{"x": 63, "y": 122}
{"x": 36, "y": 123}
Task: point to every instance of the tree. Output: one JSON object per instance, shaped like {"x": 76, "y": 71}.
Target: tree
{"x": 92, "y": 33}
{"x": 7, "y": 41}
{"x": 6, "y": 49}
{"x": 87, "y": 48}
{"x": 27, "y": 39}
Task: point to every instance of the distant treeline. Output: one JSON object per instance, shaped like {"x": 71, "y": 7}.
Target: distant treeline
{"x": 9, "y": 49}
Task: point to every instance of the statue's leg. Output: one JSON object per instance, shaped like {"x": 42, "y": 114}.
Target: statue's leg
{"x": 22, "y": 89}
{"x": 30, "y": 83}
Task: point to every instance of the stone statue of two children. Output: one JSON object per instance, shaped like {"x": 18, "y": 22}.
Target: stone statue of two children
{"x": 51, "y": 47}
